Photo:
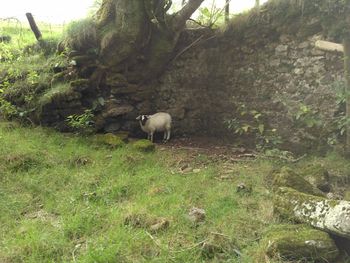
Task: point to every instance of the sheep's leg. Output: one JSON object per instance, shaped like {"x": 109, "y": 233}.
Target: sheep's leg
{"x": 165, "y": 135}
{"x": 168, "y": 135}
{"x": 151, "y": 136}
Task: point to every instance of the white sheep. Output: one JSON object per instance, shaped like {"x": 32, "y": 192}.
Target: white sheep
{"x": 158, "y": 122}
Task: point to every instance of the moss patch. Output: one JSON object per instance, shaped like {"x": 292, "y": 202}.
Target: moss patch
{"x": 286, "y": 177}
{"x": 298, "y": 242}
{"x": 109, "y": 139}
{"x": 317, "y": 175}
{"x": 144, "y": 146}
{"x": 60, "y": 92}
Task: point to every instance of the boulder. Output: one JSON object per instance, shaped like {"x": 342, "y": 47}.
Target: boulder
{"x": 286, "y": 177}
{"x": 318, "y": 176}
{"x": 332, "y": 216}
{"x": 299, "y": 242}
{"x": 114, "y": 109}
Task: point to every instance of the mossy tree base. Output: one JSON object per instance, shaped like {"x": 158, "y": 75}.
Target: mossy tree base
{"x": 135, "y": 38}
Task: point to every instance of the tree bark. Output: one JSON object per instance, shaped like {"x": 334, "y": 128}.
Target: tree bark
{"x": 257, "y": 3}
{"x": 185, "y": 13}
{"x": 137, "y": 37}
{"x": 34, "y": 26}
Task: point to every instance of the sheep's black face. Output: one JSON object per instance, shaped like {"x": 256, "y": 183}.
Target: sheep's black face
{"x": 143, "y": 119}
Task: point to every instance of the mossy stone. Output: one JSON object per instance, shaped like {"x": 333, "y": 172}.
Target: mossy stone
{"x": 347, "y": 195}
{"x": 109, "y": 139}
{"x": 317, "y": 175}
{"x": 144, "y": 145}
{"x": 123, "y": 135}
{"x": 299, "y": 242}
{"x": 286, "y": 177}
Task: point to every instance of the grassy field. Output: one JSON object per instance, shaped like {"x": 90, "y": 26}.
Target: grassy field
{"x": 21, "y": 33}
{"x": 66, "y": 199}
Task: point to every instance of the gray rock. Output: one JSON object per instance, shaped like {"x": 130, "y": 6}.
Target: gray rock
{"x": 281, "y": 50}
{"x": 304, "y": 45}
{"x": 332, "y": 216}
{"x": 196, "y": 215}
{"x": 112, "y": 127}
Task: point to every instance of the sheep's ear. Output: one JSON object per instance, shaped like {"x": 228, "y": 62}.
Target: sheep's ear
{"x": 138, "y": 117}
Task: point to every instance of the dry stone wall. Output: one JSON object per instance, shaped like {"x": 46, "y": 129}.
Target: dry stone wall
{"x": 275, "y": 74}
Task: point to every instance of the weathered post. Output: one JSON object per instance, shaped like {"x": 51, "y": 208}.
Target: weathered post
{"x": 227, "y": 11}
{"x": 33, "y": 26}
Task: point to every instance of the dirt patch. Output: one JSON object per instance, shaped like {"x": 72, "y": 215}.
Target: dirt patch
{"x": 210, "y": 146}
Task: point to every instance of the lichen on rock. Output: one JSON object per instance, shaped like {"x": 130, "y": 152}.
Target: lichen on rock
{"x": 332, "y": 216}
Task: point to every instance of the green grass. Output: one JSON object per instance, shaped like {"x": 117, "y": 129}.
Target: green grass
{"x": 22, "y": 35}
{"x": 65, "y": 198}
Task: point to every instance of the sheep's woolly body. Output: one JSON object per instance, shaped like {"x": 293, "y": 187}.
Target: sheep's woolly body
{"x": 159, "y": 122}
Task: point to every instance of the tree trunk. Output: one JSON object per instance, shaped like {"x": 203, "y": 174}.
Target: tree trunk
{"x": 257, "y": 3}
{"x": 347, "y": 89}
{"x": 137, "y": 37}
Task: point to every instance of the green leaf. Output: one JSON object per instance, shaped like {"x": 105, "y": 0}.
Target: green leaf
{"x": 261, "y": 128}
{"x": 257, "y": 116}
{"x": 245, "y": 128}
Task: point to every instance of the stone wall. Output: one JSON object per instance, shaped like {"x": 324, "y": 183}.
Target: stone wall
{"x": 273, "y": 72}
{"x": 266, "y": 61}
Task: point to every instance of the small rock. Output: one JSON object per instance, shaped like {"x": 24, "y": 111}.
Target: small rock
{"x": 281, "y": 49}
{"x": 243, "y": 188}
{"x": 196, "y": 171}
{"x": 334, "y": 196}
{"x": 196, "y": 215}
{"x": 304, "y": 45}
{"x": 161, "y": 224}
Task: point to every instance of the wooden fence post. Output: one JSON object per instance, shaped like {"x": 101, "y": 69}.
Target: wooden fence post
{"x": 33, "y": 26}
